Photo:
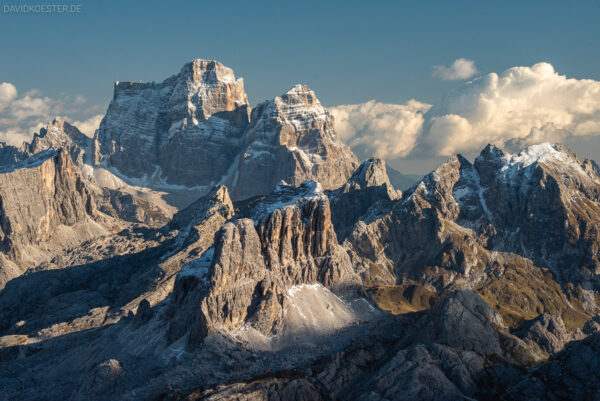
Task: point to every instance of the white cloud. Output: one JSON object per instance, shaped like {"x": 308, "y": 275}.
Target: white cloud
{"x": 528, "y": 104}
{"x": 90, "y": 125}
{"x": 383, "y": 130}
{"x": 520, "y": 106}
{"x": 22, "y": 116}
{"x": 461, "y": 68}
{"x": 7, "y": 93}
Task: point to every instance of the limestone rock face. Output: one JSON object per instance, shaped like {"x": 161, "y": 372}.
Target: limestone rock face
{"x": 514, "y": 227}
{"x": 38, "y": 196}
{"x": 288, "y": 242}
{"x": 60, "y": 198}
{"x": 57, "y": 134}
{"x": 548, "y": 332}
{"x": 545, "y": 200}
{"x": 291, "y": 138}
{"x": 368, "y": 189}
{"x": 198, "y": 225}
{"x": 186, "y": 130}
{"x": 195, "y": 130}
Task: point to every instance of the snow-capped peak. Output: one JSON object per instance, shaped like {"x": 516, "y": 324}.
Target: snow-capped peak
{"x": 554, "y": 156}
{"x": 540, "y": 153}
{"x": 299, "y": 89}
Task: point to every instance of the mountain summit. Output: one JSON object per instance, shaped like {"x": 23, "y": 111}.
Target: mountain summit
{"x": 186, "y": 130}
{"x": 195, "y": 130}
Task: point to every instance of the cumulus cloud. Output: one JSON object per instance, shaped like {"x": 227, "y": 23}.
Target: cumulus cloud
{"x": 22, "y": 116}
{"x": 523, "y": 104}
{"x": 89, "y": 126}
{"x": 519, "y": 107}
{"x": 7, "y": 93}
{"x": 380, "y": 129}
{"x": 461, "y": 68}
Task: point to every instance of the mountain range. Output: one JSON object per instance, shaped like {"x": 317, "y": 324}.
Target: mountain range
{"x": 199, "y": 248}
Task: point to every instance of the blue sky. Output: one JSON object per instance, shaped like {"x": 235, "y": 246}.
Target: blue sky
{"x": 347, "y": 51}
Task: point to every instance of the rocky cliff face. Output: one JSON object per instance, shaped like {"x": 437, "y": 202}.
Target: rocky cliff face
{"x": 111, "y": 194}
{"x": 368, "y": 188}
{"x": 286, "y": 241}
{"x": 291, "y": 138}
{"x": 40, "y": 198}
{"x": 277, "y": 295}
{"x": 494, "y": 225}
{"x": 195, "y": 130}
{"x": 186, "y": 130}
{"x": 478, "y": 282}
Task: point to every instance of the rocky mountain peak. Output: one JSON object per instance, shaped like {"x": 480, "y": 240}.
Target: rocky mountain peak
{"x": 220, "y": 195}
{"x": 186, "y": 130}
{"x": 371, "y": 173}
{"x": 208, "y": 85}
{"x": 60, "y": 213}
{"x": 491, "y": 152}
{"x": 217, "y": 201}
{"x": 540, "y": 153}
{"x": 268, "y": 251}
{"x": 57, "y": 134}
{"x": 208, "y": 72}
{"x": 211, "y": 87}
{"x": 535, "y": 162}
{"x": 300, "y": 95}
{"x": 291, "y": 138}
{"x": 547, "y": 153}
{"x": 300, "y": 108}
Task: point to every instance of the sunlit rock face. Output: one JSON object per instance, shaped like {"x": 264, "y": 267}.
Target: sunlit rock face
{"x": 287, "y": 240}
{"x": 44, "y": 201}
{"x": 291, "y": 138}
{"x": 186, "y": 130}
{"x": 195, "y": 130}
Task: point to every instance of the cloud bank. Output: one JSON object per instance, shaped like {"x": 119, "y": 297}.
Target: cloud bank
{"x": 90, "y": 125}
{"x": 520, "y": 106}
{"x": 461, "y": 68}
{"x": 378, "y": 129}
{"x": 23, "y": 115}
